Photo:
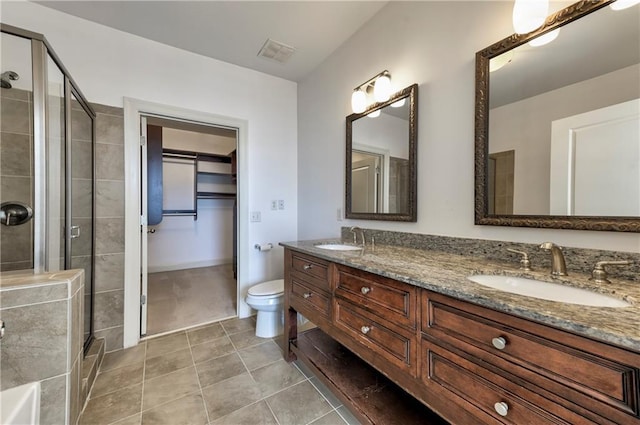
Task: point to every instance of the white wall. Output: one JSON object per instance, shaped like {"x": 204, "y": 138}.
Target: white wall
{"x": 108, "y": 65}
{"x": 432, "y": 44}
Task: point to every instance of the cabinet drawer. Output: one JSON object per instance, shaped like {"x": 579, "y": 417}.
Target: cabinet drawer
{"x": 545, "y": 356}
{"x": 313, "y": 268}
{"x": 395, "y": 344}
{"x": 499, "y": 399}
{"x": 308, "y": 297}
{"x": 393, "y": 301}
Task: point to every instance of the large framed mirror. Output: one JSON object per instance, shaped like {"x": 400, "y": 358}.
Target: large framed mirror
{"x": 557, "y": 126}
{"x": 381, "y": 173}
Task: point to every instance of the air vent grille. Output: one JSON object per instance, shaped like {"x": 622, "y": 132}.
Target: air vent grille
{"x": 276, "y": 51}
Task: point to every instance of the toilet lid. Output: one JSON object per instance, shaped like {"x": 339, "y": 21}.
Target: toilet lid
{"x": 273, "y": 287}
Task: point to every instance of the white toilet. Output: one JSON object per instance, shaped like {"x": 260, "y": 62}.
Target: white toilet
{"x": 267, "y": 299}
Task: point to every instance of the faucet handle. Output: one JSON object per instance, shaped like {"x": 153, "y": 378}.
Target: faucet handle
{"x": 599, "y": 274}
{"x": 525, "y": 262}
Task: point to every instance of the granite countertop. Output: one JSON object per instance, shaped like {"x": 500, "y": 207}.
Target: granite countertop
{"x": 447, "y": 273}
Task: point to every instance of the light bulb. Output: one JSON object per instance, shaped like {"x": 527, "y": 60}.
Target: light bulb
{"x": 374, "y": 114}
{"x": 544, "y": 38}
{"x": 623, "y": 4}
{"x": 398, "y": 104}
{"x": 529, "y": 15}
{"x": 382, "y": 89}
{"x": 358, "y": 101}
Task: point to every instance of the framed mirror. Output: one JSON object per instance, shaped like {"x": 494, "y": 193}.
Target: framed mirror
{"x": 557, "y": 126}
{"x": 381, "y": 150}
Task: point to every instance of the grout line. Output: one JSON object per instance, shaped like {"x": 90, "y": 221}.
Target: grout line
{"x": 195, "y": 369}
{"x": 144, "y": 372}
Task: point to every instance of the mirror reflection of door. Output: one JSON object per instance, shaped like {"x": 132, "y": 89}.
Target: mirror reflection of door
{"x": 366, "y": 179}
{"x": 501, "y": 176}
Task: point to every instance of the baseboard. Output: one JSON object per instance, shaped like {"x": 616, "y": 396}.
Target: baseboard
{"x": 184, "y": 266}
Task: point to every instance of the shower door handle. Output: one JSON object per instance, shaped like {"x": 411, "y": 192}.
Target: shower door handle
{"x": 74, "y": 232}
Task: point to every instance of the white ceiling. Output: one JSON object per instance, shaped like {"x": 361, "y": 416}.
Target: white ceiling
{"x": 235, "y": 31}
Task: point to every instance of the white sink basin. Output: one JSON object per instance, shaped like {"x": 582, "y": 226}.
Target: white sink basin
{"x": 547, "y": 291}
{"x": 339, "y": 247}
{"x": 20, "y": 405}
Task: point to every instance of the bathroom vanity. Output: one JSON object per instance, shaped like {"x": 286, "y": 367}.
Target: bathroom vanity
{"x": 471, "y": 354}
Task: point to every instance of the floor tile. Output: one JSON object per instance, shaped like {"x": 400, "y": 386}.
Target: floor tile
{"x": 347, "y": 416}
{"x": 212, "y": 349}
{"x": 113, "y": 406}
{"x": 219, "y": 369}
{"x": 255, "y": 414}
{"x": 170, "y": 387}
{"x": 167, "y": 344}
{"x": 331, "y": 418}
{"x": 116, "y": 379}
{"x": 276, "y": 376}
{"x": 125, "y": 357}
{"x": 246, "y": 339}
{"x": 300, "y": 404}
{"x": 205, "y": 333}
{"x": 131, "y": 420}
{"x": 326, "y": 393}
{"x": 235, "y": 325}
{"x": 260, "y": 355}
{"x": 167, "y": 363}
{"x": 230, "y": 395}
{"x": 187, "y": 410}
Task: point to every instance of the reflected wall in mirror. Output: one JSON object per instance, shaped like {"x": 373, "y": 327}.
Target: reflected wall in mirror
{"x": 381, "y": 160}
{"x": 558, "y": 126}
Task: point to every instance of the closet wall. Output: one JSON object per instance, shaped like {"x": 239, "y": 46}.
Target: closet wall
{"x": 184, "y": 242}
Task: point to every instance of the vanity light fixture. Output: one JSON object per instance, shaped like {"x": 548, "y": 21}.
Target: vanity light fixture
{"x": 374, "y": 114}
{"x": 499, "y": 61}
{"x": 529, "y": 15}
{"x": 623, "y": 4}
{"x": 381, "y": 85}
{"x": 399, "y": 104}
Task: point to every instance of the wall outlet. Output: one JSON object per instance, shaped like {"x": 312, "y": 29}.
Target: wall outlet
{"x": 254, "y": 217}
{"x": 281, "y": 204}
{"x": 274, "y": 205}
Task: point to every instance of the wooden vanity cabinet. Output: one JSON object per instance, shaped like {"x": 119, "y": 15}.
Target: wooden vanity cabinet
{"x": 460, "y": 359}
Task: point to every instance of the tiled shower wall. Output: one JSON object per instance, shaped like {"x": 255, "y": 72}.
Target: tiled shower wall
{"x": 109, "y": 261}
{"x": 16, "y": 175}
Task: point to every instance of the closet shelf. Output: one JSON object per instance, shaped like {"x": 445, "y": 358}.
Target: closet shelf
{"x": 215, "y": 195}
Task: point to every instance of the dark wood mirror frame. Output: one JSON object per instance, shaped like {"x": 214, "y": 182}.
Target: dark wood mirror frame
{"x": 411, "y": 94}
{"x": 561, "y": 18}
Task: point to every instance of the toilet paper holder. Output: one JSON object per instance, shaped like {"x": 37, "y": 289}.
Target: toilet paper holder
{"x": 264, "y": 247}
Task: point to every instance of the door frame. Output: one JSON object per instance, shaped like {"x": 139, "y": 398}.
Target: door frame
{"x": 133, "y": 110}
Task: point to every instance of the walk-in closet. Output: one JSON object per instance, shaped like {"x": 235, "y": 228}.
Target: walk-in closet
{"x": 191, "y": 225}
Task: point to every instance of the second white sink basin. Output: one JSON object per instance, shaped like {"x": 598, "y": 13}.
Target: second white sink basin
{"x": 547, "y": 291}
{"x": 339, "y": 247}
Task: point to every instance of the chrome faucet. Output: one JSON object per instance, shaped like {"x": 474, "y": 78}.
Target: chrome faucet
{"x": 558, "y": 266}
{"x": 354, "y": 230}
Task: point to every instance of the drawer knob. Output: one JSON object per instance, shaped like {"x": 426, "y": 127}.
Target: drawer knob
{"x": 499, "y": 343}
{"x": 365, "y": 329}
{"x": 502, "y": 408}
{"x": 307, "y": 295}
{"x": 307, "y": 266}
{"x": 365, "y": 290}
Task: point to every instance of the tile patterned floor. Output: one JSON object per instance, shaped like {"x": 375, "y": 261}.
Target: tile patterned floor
{"x": 218, "y": 374}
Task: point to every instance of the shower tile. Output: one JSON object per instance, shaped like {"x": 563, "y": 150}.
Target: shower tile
{"x": 20, "y": 297}
{"x": 80, "y": 124}
{"x": 82, "y": 245}
{"x": 20, "y": 265}
{"x": 230, "y": 395}
{"x": 16, "y": 189}
{"x": 16, "y": 154}
{"x": 109, "y": 129}
{"x": 81, "y": 199}
{"x": 109, "y": 235}
{"x": 109, "y": 198}
{"x": 109, "y": 309}
{"x": 23, "y": 357}
{"x": 74, "y": 390}
{"x": 109, "y": 110}
{"x": 110, "y": 162}
{"x": 81, "y": 160}
{"x": 53, "y": 400}
{"x": 112, "y": 337}
{"x": 17, "y": 94}
{"x": 109, "y": 272}
{"x": 15, "y": 116}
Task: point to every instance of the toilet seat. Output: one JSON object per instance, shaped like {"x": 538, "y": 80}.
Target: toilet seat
{"x": 271, "y": 288}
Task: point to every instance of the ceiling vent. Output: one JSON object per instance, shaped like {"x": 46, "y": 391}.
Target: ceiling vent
{"x": 276, "y": 51}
